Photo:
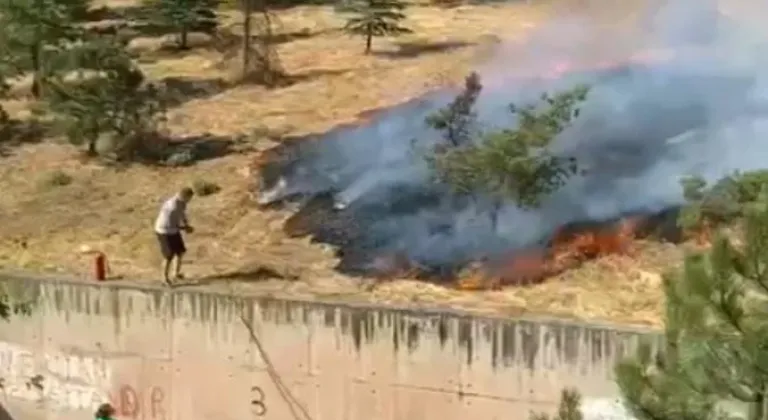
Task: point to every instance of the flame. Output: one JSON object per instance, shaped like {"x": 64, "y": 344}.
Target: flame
{"x": 566, "y": 252}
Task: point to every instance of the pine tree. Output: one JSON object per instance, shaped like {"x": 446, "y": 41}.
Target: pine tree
{"x": 513, "y": 163}
{"x": 114, "y": 101}
{"x": 14, "y": 303}
{"x": 722, "y": 202}
{"x": 257, "y": 47}
{"x": 8, "y": 307}
{"x": 35, "y": 32}
{"x": 5, "y": 307}
{"x": 184, "y": 16}
{"x": 7, "y": 73}
{"x": 372, "y": 18}
{"x": 458, "y": 120}
{"x": 569, "y": 408}
{"x": 716, "y": 332}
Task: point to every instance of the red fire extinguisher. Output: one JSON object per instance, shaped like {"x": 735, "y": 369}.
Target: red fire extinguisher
{"x": 100, "y": 267}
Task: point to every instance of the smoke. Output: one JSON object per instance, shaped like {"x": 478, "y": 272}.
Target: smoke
{"x": 677, "y": 90}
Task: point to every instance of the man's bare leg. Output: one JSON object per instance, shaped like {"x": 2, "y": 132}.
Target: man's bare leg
{"x": 178, "y": 273}
{"x": 167, "y": 270}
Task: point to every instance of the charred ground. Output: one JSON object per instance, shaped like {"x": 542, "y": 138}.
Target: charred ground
{"x": 46, "y": 225}
{"x": 365, "y": 190}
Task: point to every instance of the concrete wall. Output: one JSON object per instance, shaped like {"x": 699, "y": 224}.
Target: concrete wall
{"x": 184, "y": 355}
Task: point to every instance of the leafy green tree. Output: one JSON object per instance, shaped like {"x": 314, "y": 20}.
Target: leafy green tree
{"x": 512, "y": 163}
{"x": 716, "y": 332}
{"x": 114, "y": 100}
{"x": 184, "y": 16}
{"x": 35, "y": 32}
{"x": 370, "y": 18}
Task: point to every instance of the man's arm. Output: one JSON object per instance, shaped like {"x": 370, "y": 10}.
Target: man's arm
{"x": 184, "y": 221}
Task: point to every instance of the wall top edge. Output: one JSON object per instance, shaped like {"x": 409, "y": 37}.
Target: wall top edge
{"x": 418, "y": 310}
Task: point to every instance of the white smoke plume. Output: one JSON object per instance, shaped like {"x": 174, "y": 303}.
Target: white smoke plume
{"x": 677, "y": 90}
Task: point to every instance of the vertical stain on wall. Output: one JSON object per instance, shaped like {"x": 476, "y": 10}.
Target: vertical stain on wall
{"x": 465, "y": 338}
{"x": 609, "y": 340}
{"x": 501, "y": 343}
{"x": 596, "y": 346}
{"x": 508, "y": 343}
{"x": 283, "y": 312}
{"x": 569, "y": 349}
{"x": 249, "y": 311}
{"x": 56, "y": 297}
{"x": 442, "y": 331}
{"x": 381, "y": 320}
{"x": 546, "y": 342}
{"x": 529, "y": 338}
{"x": 329, "y": 316}
{"x": 356, "y": 327}
{"x": 361, "y": 324}
{"x": 413, "y": 335}
{"x": 157, "y": 297}
{"x": 488, "y": 330}
{"x": 371, "y": 325}
{"x": 396, "y": 338}
{"x": 193, "y": 304}
{"x": 114, "y": 300}
{"x": 76, "y": 296}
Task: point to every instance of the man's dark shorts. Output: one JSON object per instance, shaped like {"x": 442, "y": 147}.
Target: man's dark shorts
{"x": 171, "y": 245}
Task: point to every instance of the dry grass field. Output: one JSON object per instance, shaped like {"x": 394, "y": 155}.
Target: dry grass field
{"x": 53, "y": 228}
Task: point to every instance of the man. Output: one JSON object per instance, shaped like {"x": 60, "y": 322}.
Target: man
{"x": 105, "y": 412}
{"x": 168, "y": 226}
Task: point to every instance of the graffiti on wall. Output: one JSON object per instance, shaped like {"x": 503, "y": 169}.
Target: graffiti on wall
{"x": 75, "y": 382}
{"x": 64, "y": 380}
{"x": 258, "y": 401}
{"x": 148, "y": 404}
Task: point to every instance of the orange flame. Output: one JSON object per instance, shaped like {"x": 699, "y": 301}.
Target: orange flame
{"x": 566, "y": 252}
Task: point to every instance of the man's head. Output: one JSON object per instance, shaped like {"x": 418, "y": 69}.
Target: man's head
{"x": 186, "y": 194}
{"x": 105, "y": 411}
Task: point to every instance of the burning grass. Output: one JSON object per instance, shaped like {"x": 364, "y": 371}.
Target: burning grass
{"x": 567, "y": 252}
{"x": 44, "y": 226}
{"x": 616, "y": 288}
{"x": 45, "y": 229}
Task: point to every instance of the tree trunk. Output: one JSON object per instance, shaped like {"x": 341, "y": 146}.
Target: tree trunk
{"x": 92, "y": 152}
{"x": 35, "y": 55}
{"x": 184, "y": 38}
{"x": 36, "y": 70}
{"x": 757, "y": 408}
{"x": 368, "y": 39}
{"x": 246, "y": 36}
